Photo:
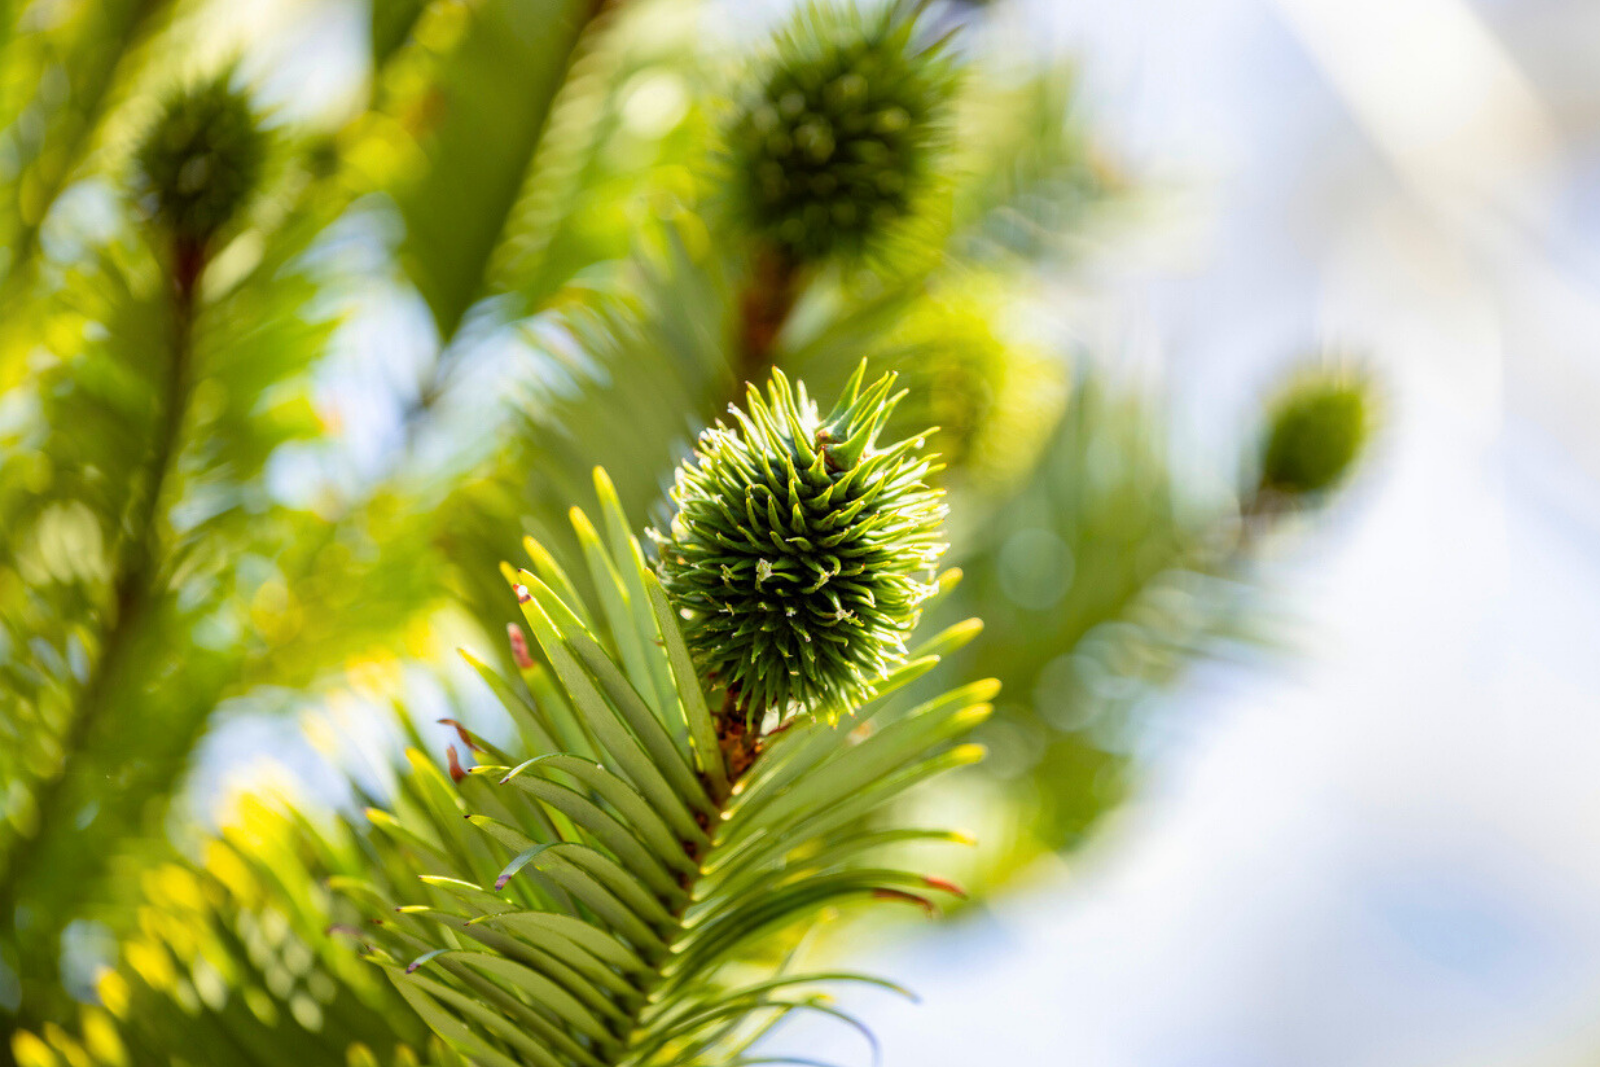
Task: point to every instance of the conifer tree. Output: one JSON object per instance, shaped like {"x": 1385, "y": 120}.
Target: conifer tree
{"x": 713, "y": 703}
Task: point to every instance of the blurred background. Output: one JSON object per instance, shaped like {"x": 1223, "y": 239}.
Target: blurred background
{"x": 1282, "y": 774}
{"x": 1378, "y": 849}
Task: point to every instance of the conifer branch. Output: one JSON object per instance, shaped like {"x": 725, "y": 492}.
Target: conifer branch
{"x": 136, "y": 589}
{"x": 211, "y": 131}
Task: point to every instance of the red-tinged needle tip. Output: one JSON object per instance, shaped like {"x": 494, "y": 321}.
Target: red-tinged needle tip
{"x": 461, "y": 732}
{"x": 519, "y": 646}
{"x": 946, "y": 885}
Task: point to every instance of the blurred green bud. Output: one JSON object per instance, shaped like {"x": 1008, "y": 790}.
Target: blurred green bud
{"x": 201, "y": 160}
{"x": 836, "y": 142}
{"x": 993, "y": 395}
{"x": 1316, "y": 430}
{"x": 801, "y": 550}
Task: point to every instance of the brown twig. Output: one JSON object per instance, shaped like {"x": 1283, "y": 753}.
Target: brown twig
{"x": 764, "y": 308}
{"x": 738, "y": 734}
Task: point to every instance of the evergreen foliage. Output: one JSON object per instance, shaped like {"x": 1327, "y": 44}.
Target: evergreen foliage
{"x": 664, "y": 799}
{"x": 588, "y": 907}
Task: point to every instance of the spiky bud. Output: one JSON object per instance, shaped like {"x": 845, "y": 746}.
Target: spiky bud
{"x": 801, "y": 549}
{"x": 1316, "y": 429}
{"x": 835, "y": 143}
{"x": 202, "y": 159}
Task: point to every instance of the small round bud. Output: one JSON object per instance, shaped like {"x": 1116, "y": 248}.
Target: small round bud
{"x": 991, "y": 393}
{"x": 801, "y": 550}
{"x": 836, "y": 143}
{"x": 1316, "y": 430}
{"x": 201, "y": 160}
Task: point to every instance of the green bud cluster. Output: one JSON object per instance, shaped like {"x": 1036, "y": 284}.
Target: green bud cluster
{"x": 801, "y": 550}
{"x": 1316, "y": 430}
{"x": 201, "y": 160}
{"x": 836, "y": 143}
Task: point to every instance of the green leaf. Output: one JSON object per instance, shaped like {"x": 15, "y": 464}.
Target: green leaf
{"x": 454, "y": 1030}
{"x": 391, "y": 24}
{"x": 611, "y": 833}
{"x": 645, "y": 724}
{"x": 535, "y": 730}
{"x": 599, "y": 717}
{"x": 552, "y": 574}
{"x": 588, "y": 889}
{"x": 629, "y": 558}
{"x": 546, "y": 994}
{"x": 762, "y": 845}
{"x": 495, "y": 94}
{"x": 940, "y": 719}
{"x": 425, "y": 995}
{"x": 620, "y": 795}
{"x": 661, "y": 881}
{"x": 603, "y": 571}
{"x": 799, "y": 750}
{"x": 562, "y": 930}
{"x": 708, "y": 754}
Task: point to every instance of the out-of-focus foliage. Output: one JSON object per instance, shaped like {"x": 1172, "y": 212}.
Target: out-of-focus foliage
{"x": 233, "y": 953}
{"x": 835, "y": 143}
{"x": 64, "y": 66}
{"x": 1316, "y": 428}
{"x": 1033, "y": 170}
{"x": 199, "y": 165}
{"x": 150, "y": 570}
{"x": 548, "y": 179}
{"x": 487, "y": 109}
{"x": 140, "y": 533}
{"x": 1098, "y": 579}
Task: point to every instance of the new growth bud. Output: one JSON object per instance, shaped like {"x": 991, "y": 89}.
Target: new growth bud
{"x": 200, "y": 162}
{"x": 835, "y": 143}
{"x": 801, "y": 550}
{"x": 1316, "y": 430}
